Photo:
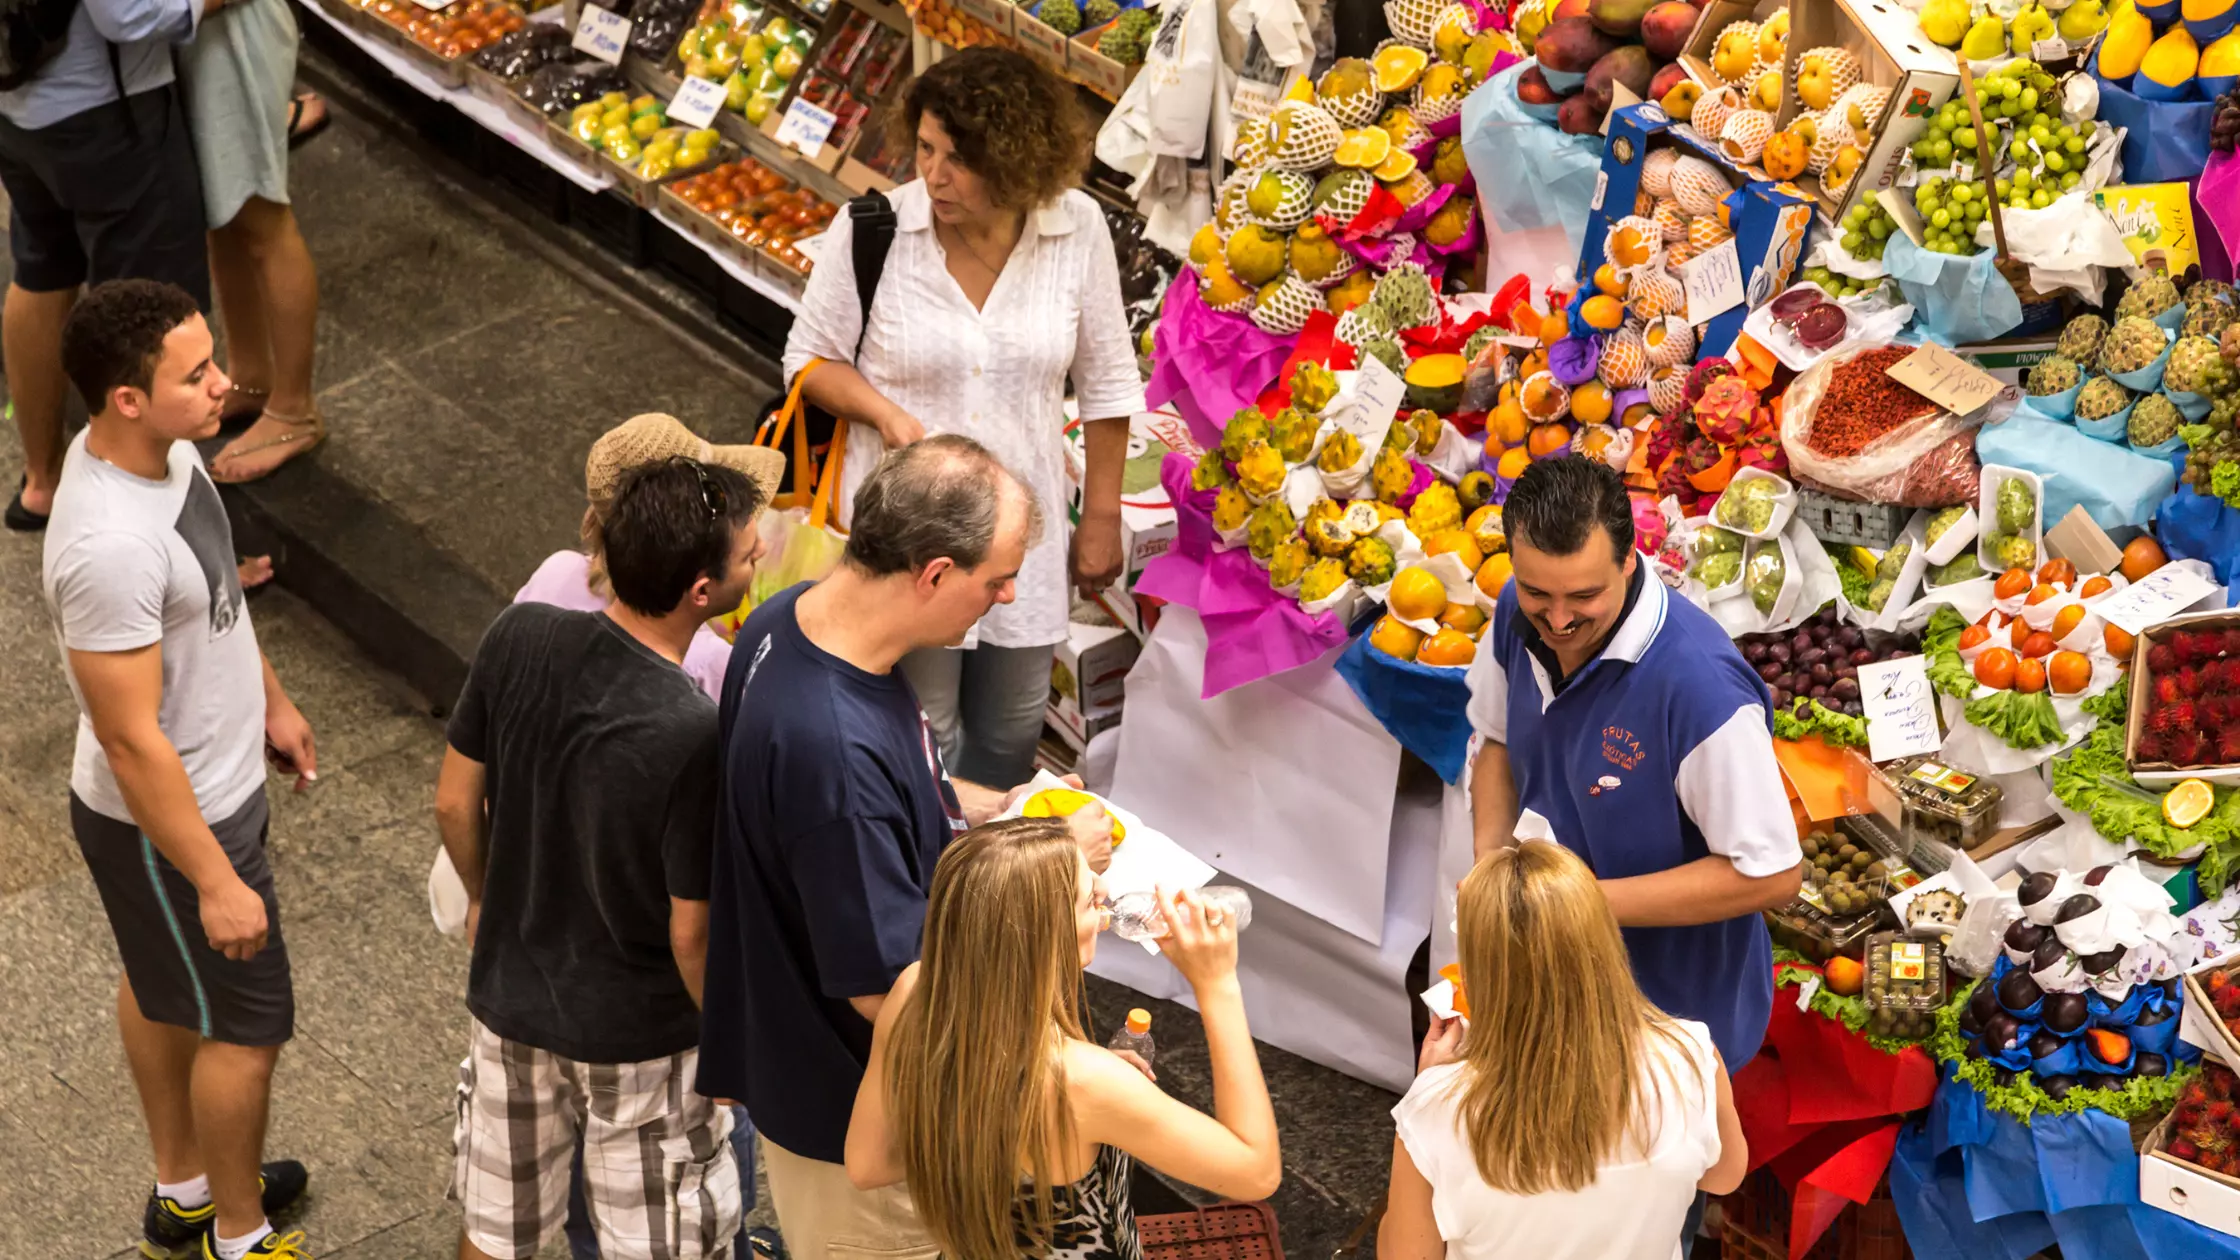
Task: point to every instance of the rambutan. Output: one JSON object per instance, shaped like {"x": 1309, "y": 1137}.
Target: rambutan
{"x": 2189, "y": 681}
{"x": 2182, "y": 1149}
{"x": 2166, "y": 689}
{"x": 2199, "y": 645}
{"x": 2185, "y": 748}
{"x": 2228, "y": 743}
{"x": 2161, "y": 659}
{"x": 2232, "y": 642}
{"x": 2180, "y": 715}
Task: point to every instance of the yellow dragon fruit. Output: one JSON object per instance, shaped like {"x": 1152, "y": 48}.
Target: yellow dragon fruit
{"x": 1260, "y": 470}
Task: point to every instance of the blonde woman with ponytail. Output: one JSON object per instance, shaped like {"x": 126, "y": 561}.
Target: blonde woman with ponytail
{"x": 1573, "y": 1120}
{"x": 1013, "y": 1131}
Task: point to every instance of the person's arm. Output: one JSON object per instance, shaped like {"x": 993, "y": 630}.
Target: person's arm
{"x": 123, "y": 694}
{"x": 1493, "y": 801}
{"x": 1097, "y": 558}
{"x": 1409, "y": 1230}
{"x": 1234, "y": 1152}
{"x": 1493, "y": 789}
{"x": 287, "y": 733}
{"x": 1730, "y": 785}
{"x": 1734, "y": 1149}
{"x": 868, "y": 907}
{"x": 688, "y": 940}
{"x": 463, "y": 820}
{"x": 1109, "y": 390}
{"x": 871, "y": 1157}
{"x": 827, "y": 328}
{"x": 129, "y": 21}
{"x": 980, "y": 804}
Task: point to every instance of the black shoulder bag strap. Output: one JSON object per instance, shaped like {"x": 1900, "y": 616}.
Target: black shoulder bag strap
{"x": 872, "y": 217}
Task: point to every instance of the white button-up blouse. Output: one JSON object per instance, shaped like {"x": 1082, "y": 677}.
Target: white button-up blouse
{"x": 996, "y": 375}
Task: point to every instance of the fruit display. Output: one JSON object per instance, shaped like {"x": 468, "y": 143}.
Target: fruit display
{"x": 2192, "y": 712}
{"x": 635, "y": 133}
{"x": 2205, "y": 1125}
{"x": 516, "y": 55}
{"x": 1818, "y": 663}
{"x": 1595, "y": 45}
{"x": 759, "y": 207}
{"x": 752, "y": 53}
{"x": 1128, "y": 37}
{"x": 656, "y": 25}
{"x": 455, "y": 30}
{"x": 1844, "y": 879}
{"x": 558, "y": 87}
{"x": 1905, "y": 986}
{"x": 2167, "y": 52}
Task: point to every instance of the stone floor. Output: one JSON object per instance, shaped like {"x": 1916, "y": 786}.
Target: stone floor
{"x": 465, "y": 367}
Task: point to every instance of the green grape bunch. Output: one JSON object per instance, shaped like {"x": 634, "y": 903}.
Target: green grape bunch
{"x": 1950, "y": 211}
{"x": 1866, "y": 229}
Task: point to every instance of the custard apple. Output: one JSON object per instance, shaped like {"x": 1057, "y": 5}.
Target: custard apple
{"x": 2133, "y": 343}
{"x": 2208, "y": 316}
{"x": 2100, "y": 398}
{"x": 2147, "y": 298}
{"x": 2196, "y": 368}
{"x": 2154, "y": 421}
{"x": 2051, "y": 375}
{"x": 2080, "y": 340}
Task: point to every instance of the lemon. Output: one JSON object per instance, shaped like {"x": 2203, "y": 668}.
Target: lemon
{"x": 2188, "y": 803}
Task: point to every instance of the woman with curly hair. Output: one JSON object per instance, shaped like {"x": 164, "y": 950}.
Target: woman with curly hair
{"x": 1573, "y": 1120}
{"x": 1001, "y": 284}
{"x": 1014, "y": 1132}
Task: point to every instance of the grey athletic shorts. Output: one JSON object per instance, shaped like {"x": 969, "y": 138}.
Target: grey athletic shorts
{"x": 157, "y": 920}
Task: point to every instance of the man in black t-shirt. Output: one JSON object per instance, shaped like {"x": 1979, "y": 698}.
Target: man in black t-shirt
{"x": 835, "y": 808}
{"x": 577, "y": 801}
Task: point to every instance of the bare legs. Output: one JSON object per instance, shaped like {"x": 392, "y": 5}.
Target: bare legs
{"x": 31, "y": 340}
{"x": 205, "y": 1103}
{"x": 268, "y": 299}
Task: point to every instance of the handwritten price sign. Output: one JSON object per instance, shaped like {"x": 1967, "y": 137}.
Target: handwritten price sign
{"x": 805, "y": 127}
{"x": 602, "y": 34}
{"x": 1900, "y": 708}
{"x": 696, "y": 102}
{"x": 1713, "y": 281}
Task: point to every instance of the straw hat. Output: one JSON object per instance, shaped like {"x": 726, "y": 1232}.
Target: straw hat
{"x": 653, "y": 437}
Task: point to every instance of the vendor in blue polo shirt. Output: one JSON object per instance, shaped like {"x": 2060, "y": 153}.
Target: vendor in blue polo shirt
{"x": 1627, "y": 719}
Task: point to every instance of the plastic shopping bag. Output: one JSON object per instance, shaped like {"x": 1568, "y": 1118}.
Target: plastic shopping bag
{"x": 1501, "y": 136}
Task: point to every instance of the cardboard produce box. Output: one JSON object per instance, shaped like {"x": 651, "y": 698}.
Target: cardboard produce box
{"x": 1769, "y": 220}
{"x": 2156, "y": 774}
{"x": 1886, "y": 38}
{"x": 1090, "y": 670}
{"x": 2183, "y": 1188}
{"x": 1040, "y": 42}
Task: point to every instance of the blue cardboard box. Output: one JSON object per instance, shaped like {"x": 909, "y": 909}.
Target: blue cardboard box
{"x": 1770, "y": 220}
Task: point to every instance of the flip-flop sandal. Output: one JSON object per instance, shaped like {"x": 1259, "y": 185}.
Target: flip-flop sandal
{"x": 233, "y": 418}
{"x": 295, "y": 117}
{"x": 20, "y": 518}
{"x": 309, "y": 430}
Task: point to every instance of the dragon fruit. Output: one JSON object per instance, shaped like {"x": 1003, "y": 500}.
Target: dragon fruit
{"x": 1704, "y": 373}
{"x": 1725, "y": 408}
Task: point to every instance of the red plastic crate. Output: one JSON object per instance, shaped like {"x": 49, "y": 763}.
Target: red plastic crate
{"x": 1225, "y": 1231}
{"x": 1755, "y": 1226}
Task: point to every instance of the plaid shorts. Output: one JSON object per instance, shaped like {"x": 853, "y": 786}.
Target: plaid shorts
{"x": 659, "y": 1175}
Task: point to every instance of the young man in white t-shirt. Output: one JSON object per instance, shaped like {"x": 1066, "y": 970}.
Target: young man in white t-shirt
{"x": 178, "y": 712}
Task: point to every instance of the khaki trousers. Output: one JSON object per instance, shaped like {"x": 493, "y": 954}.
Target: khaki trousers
{"x": 822, "y": 1215}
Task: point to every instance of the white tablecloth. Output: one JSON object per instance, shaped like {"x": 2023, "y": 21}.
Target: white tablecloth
{"x": 1291, "y": 789}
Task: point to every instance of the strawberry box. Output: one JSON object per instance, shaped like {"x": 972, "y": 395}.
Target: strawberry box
{"x": 2175, "y": 1161}
{"x": 2184, "y": 716}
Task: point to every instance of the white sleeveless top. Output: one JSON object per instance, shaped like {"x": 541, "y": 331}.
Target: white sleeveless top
{"x": 1633, "y": 1210}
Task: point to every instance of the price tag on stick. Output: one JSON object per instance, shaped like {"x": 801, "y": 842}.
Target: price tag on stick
{"x": 602, "y": 34}
{"x": 805, "y": 126}
{"x": 696, "y": 102}
{"x": 1900, "y": 708}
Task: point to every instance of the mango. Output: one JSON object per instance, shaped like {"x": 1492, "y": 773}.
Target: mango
{"x": 1628, "y": 65}
{"x": 1572, "y": 45}
{"x": 1665, "y": 28}
{"x": 1621, "y": 18}
{"x": 2166, "y": 72}
{"x": 2125, "y": 44}
{"x": 2220, "y": 62}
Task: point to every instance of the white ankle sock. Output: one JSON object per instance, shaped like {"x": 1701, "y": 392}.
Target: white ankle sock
{"x": 235, "y": 1248}
{"x": 187, "y": 1194}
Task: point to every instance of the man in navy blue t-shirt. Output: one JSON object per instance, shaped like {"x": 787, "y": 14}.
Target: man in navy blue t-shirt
{"x": 1625, "y": 717}
{"x": 835, "y": 808}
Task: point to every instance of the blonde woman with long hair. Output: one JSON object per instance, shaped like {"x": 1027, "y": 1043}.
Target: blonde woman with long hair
{"x": 1573, "y": 1120}
{"x": 1013, "y": 1131}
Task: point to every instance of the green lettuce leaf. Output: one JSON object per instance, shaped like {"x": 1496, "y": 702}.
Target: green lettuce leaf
{"x": 2022, "y": 1099}
{"x": 2021, "y": 719}
{"x": 1856, "y": 585}
{"x": 1840, "y": 730}
{"x": 1940, "y": 642}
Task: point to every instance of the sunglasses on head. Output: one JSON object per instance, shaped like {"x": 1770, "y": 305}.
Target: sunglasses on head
{"x": 712, "y": 493}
